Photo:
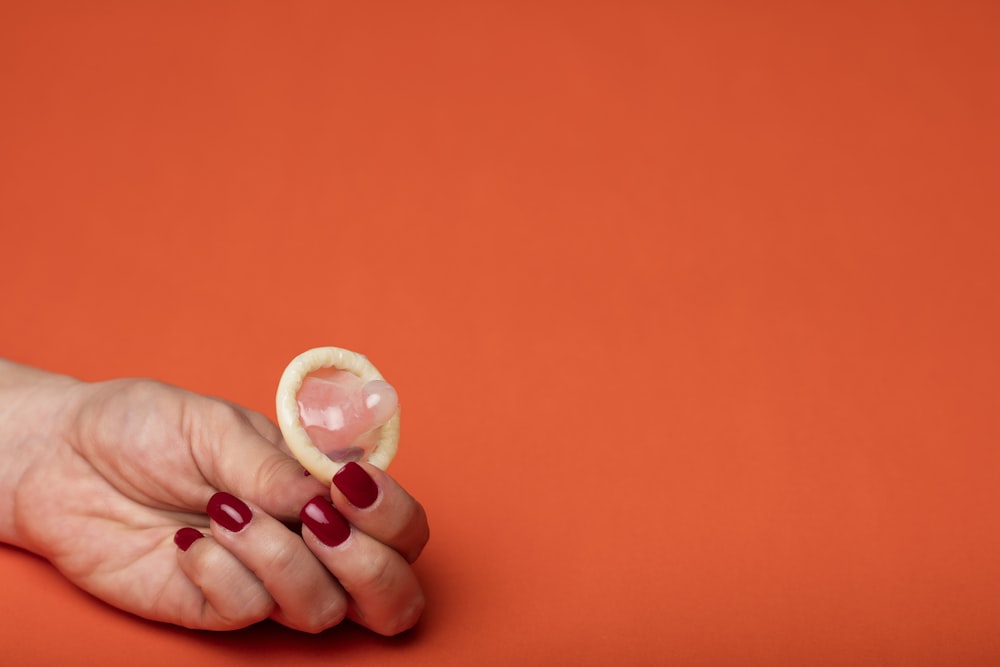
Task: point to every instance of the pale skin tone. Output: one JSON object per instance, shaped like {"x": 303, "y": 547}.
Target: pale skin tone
{"x": 98, "y": 477}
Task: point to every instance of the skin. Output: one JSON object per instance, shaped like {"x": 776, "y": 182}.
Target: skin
{"x": 98, "y": 477}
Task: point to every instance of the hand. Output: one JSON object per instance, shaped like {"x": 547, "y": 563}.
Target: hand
{"x": 132, "y": 463}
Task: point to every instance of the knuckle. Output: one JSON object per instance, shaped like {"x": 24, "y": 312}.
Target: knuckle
{"x": 231, "y": 599}
{"x": 330, "y": 615}
{"x": 138, "y": 389}
{"x": 284, "y": 560}
{"x": 374, "y": 574}
{"x": 272, "y": 472}
{"x": 312, "y": 608}
{"x": 422, "y": 535}
{"x": 408, "y": 617}
{"x": 238, "y": 611}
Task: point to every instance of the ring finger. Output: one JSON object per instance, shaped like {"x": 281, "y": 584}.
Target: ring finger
{"x": 307, "y": 597}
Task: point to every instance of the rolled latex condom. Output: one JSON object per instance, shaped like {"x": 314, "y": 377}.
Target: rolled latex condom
{"x": 334, "y": 406}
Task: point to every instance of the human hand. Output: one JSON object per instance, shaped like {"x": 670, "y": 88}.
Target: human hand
{"x": 130, "y": 464}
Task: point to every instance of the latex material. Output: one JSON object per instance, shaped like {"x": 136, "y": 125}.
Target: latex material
{"x": 316, "y": 362}
{"x": 341, "y": 413}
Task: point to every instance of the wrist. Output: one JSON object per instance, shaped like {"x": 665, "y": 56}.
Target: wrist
{"x": 34, "y": 409}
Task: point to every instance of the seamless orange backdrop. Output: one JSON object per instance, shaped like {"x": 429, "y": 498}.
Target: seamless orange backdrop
{"x": 692, "y": 307}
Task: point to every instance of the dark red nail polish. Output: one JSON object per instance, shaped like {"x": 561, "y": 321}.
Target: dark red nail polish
{"x": 356, "y": 485}
{"x": 325, "y": 522}
{"x": 229, "y": 511}
{"x": 185, "y": 537}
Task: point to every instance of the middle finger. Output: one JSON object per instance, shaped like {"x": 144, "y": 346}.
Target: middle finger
{"x": 385, "y": 594}
{"x": 308, "y": 597}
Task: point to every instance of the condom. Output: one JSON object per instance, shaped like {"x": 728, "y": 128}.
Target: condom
{"x": 334, "y": 406}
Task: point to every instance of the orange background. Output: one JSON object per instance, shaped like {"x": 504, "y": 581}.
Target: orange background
{"x": 693, "y": 309}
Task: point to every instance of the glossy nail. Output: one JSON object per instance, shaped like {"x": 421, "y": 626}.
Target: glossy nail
{"x": 325, "y": 522}
{"x": 185, "y": 537}
{"x": 356, "y": 485}
{"x": 229, "y": 511}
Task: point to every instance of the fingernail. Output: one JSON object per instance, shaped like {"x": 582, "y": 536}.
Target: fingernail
{"x": 325, "y": 522}
{"x": 185, "y": 537}
{"x": 229, "y": 511}
{"x": 356, "y": 485}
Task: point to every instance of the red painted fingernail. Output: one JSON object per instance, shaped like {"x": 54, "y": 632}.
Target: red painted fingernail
{"x": 356, "y": 485}
{"x": 229, "y": 511}
{"x": 185, "y": 537}
{"x": 325, "y": 522}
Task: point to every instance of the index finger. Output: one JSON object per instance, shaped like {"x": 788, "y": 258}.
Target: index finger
{"x": 376, "y": 504}
{"x": 234, "y": 456}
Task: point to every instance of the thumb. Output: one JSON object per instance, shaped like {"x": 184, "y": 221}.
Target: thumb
{"x": 234, "y": 456}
